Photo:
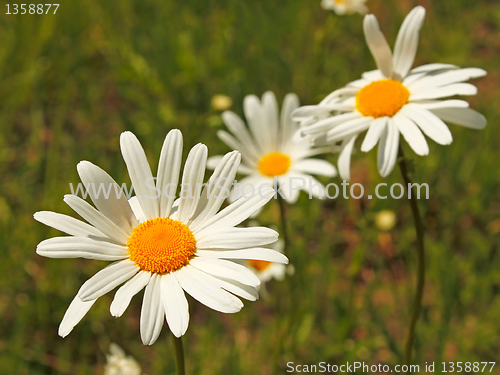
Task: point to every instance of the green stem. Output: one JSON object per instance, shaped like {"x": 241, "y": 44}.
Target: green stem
{"x": 284, "y": 230}
{"x": 419, "y": 228}
{"x": 287, "y": 315}
{"x": 179, "y": 355}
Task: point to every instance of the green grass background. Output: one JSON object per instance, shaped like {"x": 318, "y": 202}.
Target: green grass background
{"x": 70, "y": 83}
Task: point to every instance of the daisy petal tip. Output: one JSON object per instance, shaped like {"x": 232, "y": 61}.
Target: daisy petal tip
{"x": 365, "y": 148}
{"x": 114, "y": 311}
{"x": 64, "y": 331}
{"x": 420, "y": 9}
{"x": 176, "y": 333}
{"x": 126, "y": 136}
{"x": 283, "y": 259}
{"x": 175, "y": 132}
{"x": 480, "y": 73}
{"x": 69, "y": 197}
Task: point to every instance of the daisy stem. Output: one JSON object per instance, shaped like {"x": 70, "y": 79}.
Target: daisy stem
{"x": 284, "y": 330}
{"x": 419, "y": 228}
{"x": 284, "y": 230}
{"x": 179, "y": 355}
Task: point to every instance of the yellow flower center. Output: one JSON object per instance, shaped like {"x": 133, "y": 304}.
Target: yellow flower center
{"x": 161, "y": 245}
{"x": 274, "y": 164}
{"x": 259, "y": 265}
{"x": 382, "y": 98}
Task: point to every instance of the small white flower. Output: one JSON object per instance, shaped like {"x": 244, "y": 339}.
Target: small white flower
{"x": 268, "y": 149}
{"x": 166, "y": 249}
{"x": 120, "y": 364}
{"x": 342, "y": 7}
{"x": 393, "y": 100}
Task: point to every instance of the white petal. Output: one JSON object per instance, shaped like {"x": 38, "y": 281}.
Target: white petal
{"x": 315, "y": 166}
{"x": 300, "y": 181}
{"x": 67, "y": 224}
{"x": 407, "y": 42}
{"x": 359, "y": 83}
{"x": 75, "y": 312}
{"x": 175, "y": 305}
{"x": 243, "y": 169}
{"x": 444, "y": 91}
{"x": 258, "y": 253}
{"x": 140, "y": 174}
{"x": 336, "y": 98}
{"x": 270, "y": 114}
{"x": 225, "y": 269}
{"x": 307, "y": 111}
{"x": 107, "y": 279}
{"x": 411, "y": 78}
{"x": 152, "y": 312}
{"x": 204, "y": 289}
{"x": 377, "y": 43}
{"x": 461, "y": 116}
{"x": 435, "y": 104}
{"x": 107, "y": 195}
{"x": 229, "y": 140}
{"x": 169, "y": 168}
{"x": 290, "y": 186}
{"x": 237, "y": 238}
{"x": 373, "y": 75}
{"x": 348, "y": 129}
{"x": 235, "y": 213}
{"x": 217, "y": 189}
{"x": 288, "y": 126}
{"x": 97, "y": 219}
{"x": 373, "y": 134}
{"x": 433, "y": 67}
{"x": 137, "y": 209}
{"x": 213, "y": 161}
{"x": 81, "y": 247}
{"x": 412, "y": 134}
{"x": 236, "y": 126}
{"x": 344, "y": 162}
{"x": 446, "y": 78}
{"x": 124, "y": 294}
{"x": 250, "y": 185}
{"x": 192, "y": 178}
{"x": 430, "y": 124}
{"x": 388, "y": 148}
{"x": 329, "y": 123}
{"x": 255, "y": 120}
{"x": 238, "y": 289}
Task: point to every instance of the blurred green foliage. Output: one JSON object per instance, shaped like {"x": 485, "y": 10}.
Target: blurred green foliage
{"x": 70, "y": 83}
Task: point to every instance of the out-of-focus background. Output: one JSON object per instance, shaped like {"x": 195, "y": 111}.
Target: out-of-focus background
{"x": 70, "y": 83}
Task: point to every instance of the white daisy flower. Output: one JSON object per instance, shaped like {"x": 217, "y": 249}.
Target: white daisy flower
{"x": 268, "y": 149}
{"x": 167, "y": 250}
{"x": 342, "y": 7}
{"x": 120, "y": 364}
{"x": 393, "y": 99}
